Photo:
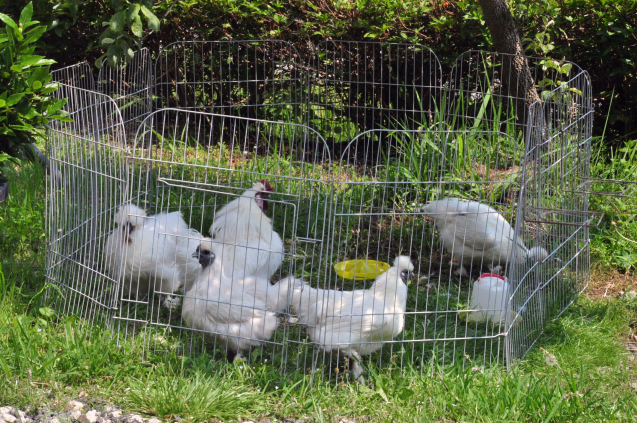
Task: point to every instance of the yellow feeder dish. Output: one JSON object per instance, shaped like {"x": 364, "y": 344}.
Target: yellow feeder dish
{"x": 360, "y": 269}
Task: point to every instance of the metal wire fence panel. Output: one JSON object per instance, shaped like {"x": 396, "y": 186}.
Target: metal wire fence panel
{"x": 352, "y": 214}
{"x": 398, "y": 188}
{"x": 130, "y": 85}
{"x": 484, "y": 92}
{"x": 360, "y": 86}
{"x": 554, "y": 198}
{"x": 87, "y": 181}
{"x": 253, "y": 79}
{"x": 76, "y": 76}
{"x": 196, "y": 163}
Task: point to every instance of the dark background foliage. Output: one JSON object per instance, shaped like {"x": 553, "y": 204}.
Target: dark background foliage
{"x": 598, "y": 35}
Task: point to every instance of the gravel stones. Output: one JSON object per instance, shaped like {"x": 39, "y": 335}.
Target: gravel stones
{"x": 79, "y": 410}
{"x": 85, "y": 410}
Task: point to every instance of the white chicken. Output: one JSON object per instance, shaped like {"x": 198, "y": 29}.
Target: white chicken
{"x": 153, "y": 253}
{"x": 475, "y": 233}
{"x": 239, "y": 313}
{"x": 355, "y": 322}
{"x": 251, "y": 246}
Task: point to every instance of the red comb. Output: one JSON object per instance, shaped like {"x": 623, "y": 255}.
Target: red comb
{"x": 267, "y": 185}
{"x": 486, "y": 275}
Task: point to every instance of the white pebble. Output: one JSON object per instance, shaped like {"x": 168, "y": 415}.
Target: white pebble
{"x": 74, "y": 405}
{"x": 7, "y": 417}
{"x": 154, "y": 420}
{"x": 136, "y": 419}
{"x": 90, "y": 417}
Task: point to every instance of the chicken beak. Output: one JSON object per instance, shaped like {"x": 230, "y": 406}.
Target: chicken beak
{"x": 206, "y": 259}
{"x": 261, "y": 201}
{"x": 195, "y": 254}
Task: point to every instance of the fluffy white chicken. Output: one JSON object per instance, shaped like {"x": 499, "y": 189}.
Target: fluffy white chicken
{"x": 251, "y": 246}
{"x": 476, "y": 233}
{"x": 153, "y": 253}
{"x": 239, "y": 313}
{"x": 357, "y": 322}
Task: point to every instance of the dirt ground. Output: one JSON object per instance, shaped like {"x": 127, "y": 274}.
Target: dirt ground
{"x": 610, "y": 283}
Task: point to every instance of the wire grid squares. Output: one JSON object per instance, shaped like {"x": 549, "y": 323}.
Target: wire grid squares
{"x": 357, "y": 141}
{"x": 86, "y": 182}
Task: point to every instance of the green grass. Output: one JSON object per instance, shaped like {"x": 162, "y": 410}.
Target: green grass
{"x": 578, "y": 371}
{"x": 615, "y": 241}
{"x": 581, "y": 372}
{"x": 589, "y": 379}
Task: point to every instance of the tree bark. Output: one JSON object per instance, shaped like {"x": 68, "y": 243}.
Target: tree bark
{"x": 516, "y": 75}
{"x": 4, "y": 191}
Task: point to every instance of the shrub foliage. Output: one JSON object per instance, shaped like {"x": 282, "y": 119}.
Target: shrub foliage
{"x": 599, "y": 35}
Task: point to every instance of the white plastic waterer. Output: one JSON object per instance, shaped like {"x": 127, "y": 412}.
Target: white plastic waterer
{"x": 488, "y": 298}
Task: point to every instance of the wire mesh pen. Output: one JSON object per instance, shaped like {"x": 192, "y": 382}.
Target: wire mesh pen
{"x": 359, "y": 154}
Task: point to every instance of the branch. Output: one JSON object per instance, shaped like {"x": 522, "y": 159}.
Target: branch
{"x": 43, "y": 160}
{"x": 36, "y": 154}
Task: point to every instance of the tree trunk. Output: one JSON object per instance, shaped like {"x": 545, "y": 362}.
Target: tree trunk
{"x": 4, "y": 191}
{"x": 516, "y": 75}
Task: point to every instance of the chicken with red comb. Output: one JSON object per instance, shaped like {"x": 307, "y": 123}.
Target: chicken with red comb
{"x": 251, "y": 246}
{"x": 267, "y": 185}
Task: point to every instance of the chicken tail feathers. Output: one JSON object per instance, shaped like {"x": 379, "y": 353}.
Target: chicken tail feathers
{"x": 291, "y": 289}
{"x": 537, "y": 253}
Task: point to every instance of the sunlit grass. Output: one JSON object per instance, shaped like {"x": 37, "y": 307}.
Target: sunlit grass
{"x": 47, "y": 359}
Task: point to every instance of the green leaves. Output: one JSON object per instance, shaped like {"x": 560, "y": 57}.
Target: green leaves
{"x": 8, "y": 21}
{"x": 126, "y": 29}
{"x": 153, "y": 22}
{"x": 117, "y": 22}
{"x": 34, "y": 35}
{"x": 26, "y": 104}
{"x": 46, "y": 312}
{"x": 25, "y": 16}
{"x": 133, "y": 12}
{"x": 136, "y": 27}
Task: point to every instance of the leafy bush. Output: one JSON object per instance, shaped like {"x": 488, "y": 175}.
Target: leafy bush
{"x": 26, "y": 104}
{"x": 598, "y": 35}
{"x": 125, "y": 30}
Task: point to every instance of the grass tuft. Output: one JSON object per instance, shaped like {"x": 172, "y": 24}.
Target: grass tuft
{"x": 198, "y": 396}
